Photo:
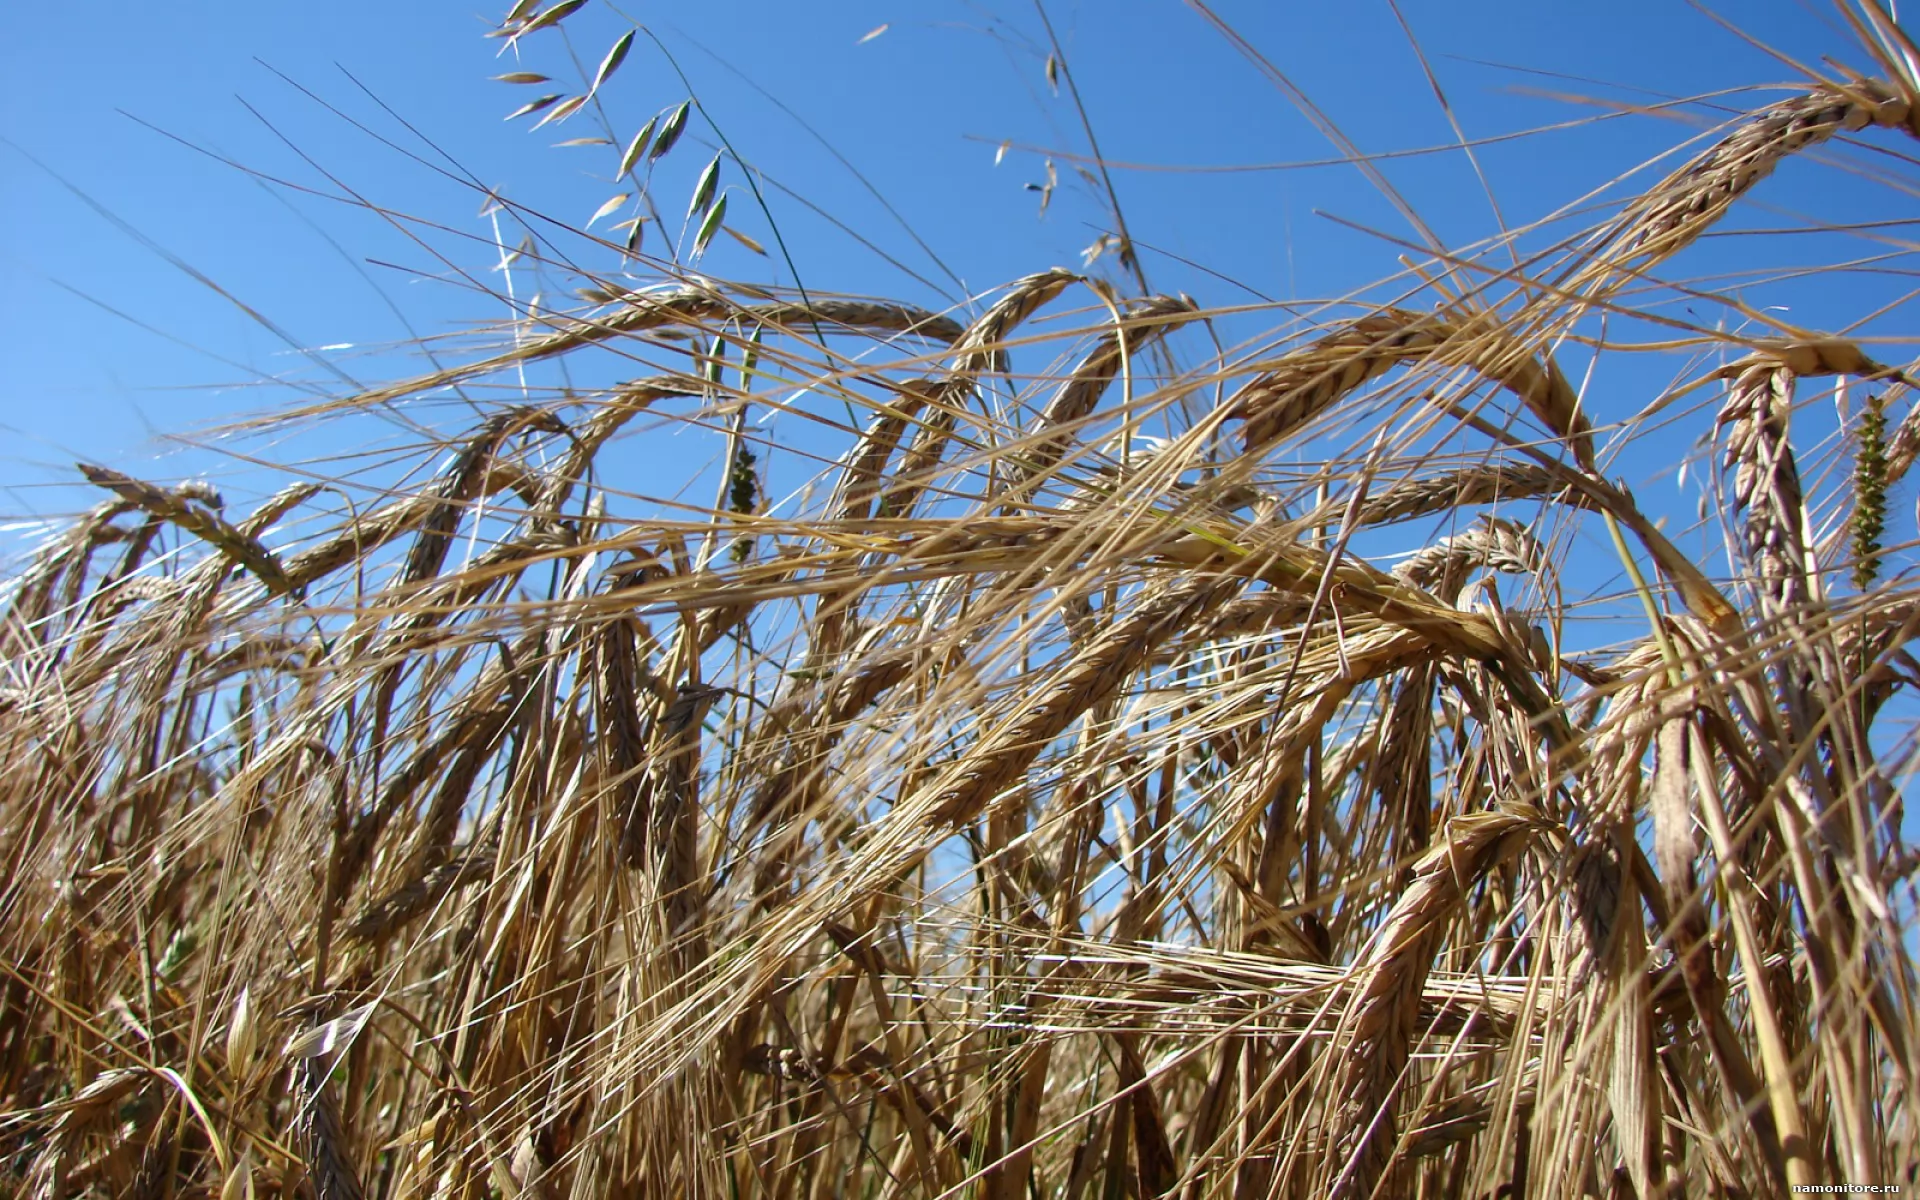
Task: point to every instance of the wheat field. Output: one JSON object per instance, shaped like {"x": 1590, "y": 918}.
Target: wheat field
{"x": 1107, "y": 764}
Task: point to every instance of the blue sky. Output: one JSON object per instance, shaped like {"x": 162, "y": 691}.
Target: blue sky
{"x": 112, "y": 345}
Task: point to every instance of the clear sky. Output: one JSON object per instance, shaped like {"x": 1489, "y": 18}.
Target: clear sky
{"x": 110, "y": 343}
